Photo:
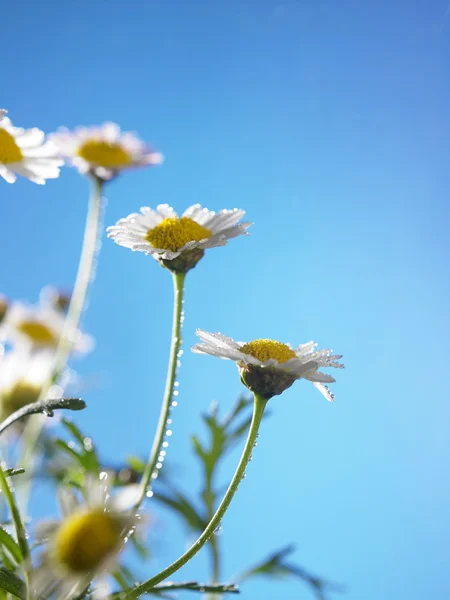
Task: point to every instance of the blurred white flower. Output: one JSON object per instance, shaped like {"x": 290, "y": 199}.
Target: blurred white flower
{"x": 269, "y": 367}
{"x": 39, "y": 326}
{"x": 166, "y": 236}
{"x": 2, "y": 113}
{"x": 85, "y": 544}
{"x": 24, "y": 152}
{"x": 23, "y": 375}
{"x": 104, "y": 150}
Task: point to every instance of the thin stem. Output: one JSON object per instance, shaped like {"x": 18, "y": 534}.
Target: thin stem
{"x": 213, "y": 542}
{"x": 150, "y": 469}
{"x": 215, "y": 560}
{"x": 258, "y": 411}
{"x": 84, "y": 277}
{"x": 18, "y": 525}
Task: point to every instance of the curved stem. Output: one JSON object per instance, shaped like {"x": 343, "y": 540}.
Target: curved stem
{"x": 258, "y": 411}
{"x": 150, "y": 469}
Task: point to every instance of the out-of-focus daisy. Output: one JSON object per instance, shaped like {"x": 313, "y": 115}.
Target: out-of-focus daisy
{"x": 40, "y": 327}
{"x": 268, "y": 367}
{"x": 24, "y": 152}
{"x": 2, "y": 113}
{"x": 178, "y": 242}
{"x": 22, "y": 378}
{"x": 104, "y": 150}
{"x": 85, "y": 544}
{"x": 55, "y": 297}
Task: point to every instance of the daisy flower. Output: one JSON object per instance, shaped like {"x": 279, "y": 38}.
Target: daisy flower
{"x": 39, "y": 327}
{"x": 268, "y": 367}
{"x": 24, "y": 151}
{"x": 2, "y": 113}
{"x": 104, "y": 150}
{"x": 178, "y": 242}
{"x": 22, "y": 378}
{"x": 86, "y": 542}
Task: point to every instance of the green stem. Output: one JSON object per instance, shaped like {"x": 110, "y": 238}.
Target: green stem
{"x": 84, "y": 277}
{"x": 77, "y": 302}
{"x": 150, "y": 469}
{"x": 18, "y": 525}
{"x": 258, "y": 411}
{"x": 213, "y": 542}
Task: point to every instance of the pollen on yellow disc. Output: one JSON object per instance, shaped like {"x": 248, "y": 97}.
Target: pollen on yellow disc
{"x": 85, "y": 539}
{"x": 173, "y": 234}
{"x": 102, "y": 154}
{"x": 38, "y": 333}
{"x": 9, "y": 150}
{"x": 265, "y": 349}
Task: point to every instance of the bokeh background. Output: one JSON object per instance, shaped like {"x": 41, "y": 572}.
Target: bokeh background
{"x": 329, "y": 123}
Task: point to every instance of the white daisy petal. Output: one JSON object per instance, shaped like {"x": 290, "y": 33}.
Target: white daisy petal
{"x": 217, "y": 339}
{"x": 271, "y": 357}
{"x": 68, "y": 501}
{"x": 324, "y": 391}
{"x": 166, "y": 211}
{"x": 105, "y": 150}
{"x": 30, "y": 138}
{"x": 19, "y": 149}
{"x": 7, "y": 174}
{"x": 45, "y": 529}
{"x": 224, "y": 220}
{"x": 166, "y": 237}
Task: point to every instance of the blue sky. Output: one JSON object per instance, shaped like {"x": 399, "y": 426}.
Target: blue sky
{"x": 329, "y": 123}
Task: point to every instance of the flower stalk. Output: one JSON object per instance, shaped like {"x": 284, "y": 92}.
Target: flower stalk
{"x": 214, "y": 523}
{"x": 150, "y": 469}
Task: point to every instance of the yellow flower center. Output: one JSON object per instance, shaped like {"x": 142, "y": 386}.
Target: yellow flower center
{"x": 102, "y": 154}
{"x": 265, "y": 349}
{"x": 38, "y": 333}
{"x": 85, "y": 539}
{"x": 20, "y": 395}
{"x": 9, "y": 150}
{"x": 173, "y": 234}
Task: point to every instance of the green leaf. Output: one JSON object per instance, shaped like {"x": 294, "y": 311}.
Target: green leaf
{"x": 12, "y": 584}
{"x": 181, "y": 505}
{"x": 276, "y": 566}
{"x": 171, "y": 586}
{"x": 86, "y": 450}
{"x": 11, "y": 545}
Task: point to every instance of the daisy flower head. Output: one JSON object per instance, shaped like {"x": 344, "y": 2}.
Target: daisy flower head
{"x": 25, "y": 152}
{"x": 22, "y": 378}
{"x": 178, "y": 243}
{"x": 39, "y": 327}
{"x": 104, "y": 151}
{"x": 86, "y": 542}
{"x": 268, "y": 367}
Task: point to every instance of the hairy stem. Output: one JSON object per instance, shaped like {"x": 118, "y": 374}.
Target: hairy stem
{"x": 258, "y": 411}
{"x": 150, "y": 469}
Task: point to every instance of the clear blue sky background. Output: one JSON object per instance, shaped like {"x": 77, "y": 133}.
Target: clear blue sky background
{"x": 329, "y": 123}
